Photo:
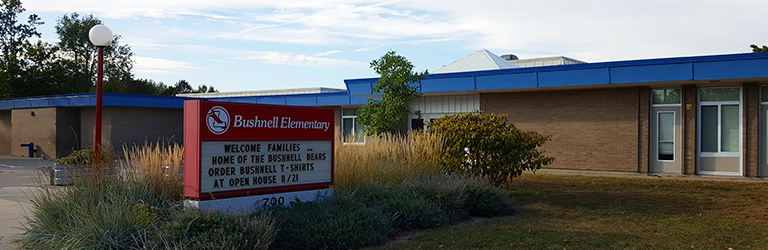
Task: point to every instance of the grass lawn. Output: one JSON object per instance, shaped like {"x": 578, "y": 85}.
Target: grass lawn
{"x": 587, "y": 212}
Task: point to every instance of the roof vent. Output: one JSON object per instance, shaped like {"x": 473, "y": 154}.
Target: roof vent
{"x": 509, "y": 57}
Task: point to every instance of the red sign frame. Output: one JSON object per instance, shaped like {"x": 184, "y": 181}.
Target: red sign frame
{"x": 258, "y": 122}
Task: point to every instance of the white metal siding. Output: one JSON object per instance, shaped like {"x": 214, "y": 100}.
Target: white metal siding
{"x": 446, "y": 104}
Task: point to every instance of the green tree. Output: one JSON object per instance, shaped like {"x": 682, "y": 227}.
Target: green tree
{"x": 488, "y": 145}
{"x": 206, "y": 89}
{"x": 13, "y": 36}
{"x": 395, "y": 83}
{"x": 79, "y": 55}
{"x": 756, "y": 48}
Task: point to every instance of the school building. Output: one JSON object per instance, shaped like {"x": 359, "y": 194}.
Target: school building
{"x": 704, "y": 115}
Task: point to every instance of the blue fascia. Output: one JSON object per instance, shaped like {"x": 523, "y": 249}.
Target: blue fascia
{"x": 89, "y": 99}
{"x": 716, "y": 67}
{"x": 133, "y": 100}
{"x": 318, "y": 99}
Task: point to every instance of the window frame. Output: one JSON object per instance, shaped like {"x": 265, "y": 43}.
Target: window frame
{"x": 720, "y": 105}
{"x": 354, "y": 127}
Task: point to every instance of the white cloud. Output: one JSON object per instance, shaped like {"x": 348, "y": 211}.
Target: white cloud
{"x": 157, "y": 65}
{"x": 327, "y": 53}
{"x": 272, "y": 57}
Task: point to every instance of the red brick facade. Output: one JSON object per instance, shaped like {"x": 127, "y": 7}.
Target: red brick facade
{"x": 590, "y": 129}
{"x": 608, "y": 129}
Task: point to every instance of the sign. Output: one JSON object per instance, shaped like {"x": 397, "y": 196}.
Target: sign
{"x": 238, "y": 149}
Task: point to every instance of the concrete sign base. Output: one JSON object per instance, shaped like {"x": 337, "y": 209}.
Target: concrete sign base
{"x": 256, "y": 202}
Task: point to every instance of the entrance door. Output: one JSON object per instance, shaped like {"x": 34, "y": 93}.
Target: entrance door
{"x": 719, "y": 130}
{"x": 666, "y": 149}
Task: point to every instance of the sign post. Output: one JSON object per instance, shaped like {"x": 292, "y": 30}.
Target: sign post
{"x": 242, "y": 156}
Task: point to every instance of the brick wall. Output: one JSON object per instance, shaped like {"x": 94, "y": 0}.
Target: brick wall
{"x": 39, "y": 129}
{"x": 591, "y": 129}
{"x": 751, "y": 106}
{"x": 690, "y": 105}
{"x": 5, "y": 132}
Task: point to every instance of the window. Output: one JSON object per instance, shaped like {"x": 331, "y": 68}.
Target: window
{"x": 351, "y": 130}
{"x": 720, "y": 120}
{"x": 666, "y": 136}
{"x": 666, "y": 96}
{"x": 417, "y": 124}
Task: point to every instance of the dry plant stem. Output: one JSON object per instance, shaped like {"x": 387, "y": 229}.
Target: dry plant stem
{"x": 386, "y": 159}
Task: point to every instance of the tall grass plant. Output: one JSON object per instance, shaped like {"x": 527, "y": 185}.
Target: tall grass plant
{"x": 386, "y": 159}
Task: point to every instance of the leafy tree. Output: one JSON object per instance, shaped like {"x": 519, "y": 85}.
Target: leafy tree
{"x": 756, "y": 48}
{"x": 79, "y": 55}
{"x": 13, "y": 35}
{"x": 182, "y": 87}
{"x": 487, "y": 145}
{"x": 205, "y": 89}
{"x": 396, "y": 76}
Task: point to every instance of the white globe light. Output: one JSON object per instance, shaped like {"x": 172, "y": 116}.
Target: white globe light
{"x": 100, "y": 35}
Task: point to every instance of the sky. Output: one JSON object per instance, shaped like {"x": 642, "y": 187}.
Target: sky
{"x": 242, "y": 45}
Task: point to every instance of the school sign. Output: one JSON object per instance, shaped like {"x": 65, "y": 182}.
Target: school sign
{"x": 239, "y": 155}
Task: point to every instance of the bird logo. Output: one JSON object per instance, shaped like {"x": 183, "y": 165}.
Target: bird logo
{"x": 217, "y": 120}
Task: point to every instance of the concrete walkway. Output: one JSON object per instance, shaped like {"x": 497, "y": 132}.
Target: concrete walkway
{"x": 649, "y": 175}
{"x": 20, "y": 181}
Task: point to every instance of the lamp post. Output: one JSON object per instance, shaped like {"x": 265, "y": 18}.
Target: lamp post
{"x": 100, "y": 35}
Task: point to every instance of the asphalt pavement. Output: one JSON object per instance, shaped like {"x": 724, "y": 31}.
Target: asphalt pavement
{"x": 20, "y": 180}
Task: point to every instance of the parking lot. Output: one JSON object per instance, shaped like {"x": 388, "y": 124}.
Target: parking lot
{"x": 20, "y": 180}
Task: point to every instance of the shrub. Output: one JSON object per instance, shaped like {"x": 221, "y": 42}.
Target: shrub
{"x": 213, "y": 229}
{"x": 487, "y": 145}
{"x": 386, "y": 159}
{"x": 94, "y": 214}
{"x": 338, "y": 223}
{"x": 406, "y": 209}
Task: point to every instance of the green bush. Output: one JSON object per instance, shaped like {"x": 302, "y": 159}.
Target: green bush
{"x": 487, "y": 145}
{"x": 406, "y": 209}
{"x": 112, "y": 213}
{"x": 213, "y": 229}
{"x": 338, "y": 223}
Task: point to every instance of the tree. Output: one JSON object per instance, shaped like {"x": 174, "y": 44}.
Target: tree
{"x": 395, "y": 83}
{"x": 182, "y": 87}
{"x": 206, "y": 89}
{"x": 488, "y": 145}
{"x": 79, "y": 55}
{"x": 13, "y": 36}
{"x": 756, "y": 48}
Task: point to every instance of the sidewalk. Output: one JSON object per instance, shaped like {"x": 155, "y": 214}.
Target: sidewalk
{"x": 20, "y": 180}
{"x": 648, "y": 175}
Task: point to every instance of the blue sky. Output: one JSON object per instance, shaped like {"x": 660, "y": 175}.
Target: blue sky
{"x": 257, "y": 45}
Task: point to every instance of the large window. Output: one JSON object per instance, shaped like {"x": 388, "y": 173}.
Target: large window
{"x": 351, "y": 130}
{"x": 720, "y": 120}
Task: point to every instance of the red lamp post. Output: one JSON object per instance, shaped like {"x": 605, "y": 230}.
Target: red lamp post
{"x": 101, "y": 36}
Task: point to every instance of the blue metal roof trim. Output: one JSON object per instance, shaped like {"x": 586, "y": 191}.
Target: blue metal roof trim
{"x": 652, "y": 73}
{"x": 731, "y": 66}
{"x": 331, "y": 100}
{"x": 301, "y": 100}
{"x": 278, "y": 100}
{"x": 506, "y": 81}
{"x": 6, "y": 105}
{"x": 354, "y": 100}
{"x": 81, "y": 101}
{"x": 39, "y": 103}
{"x": 447, "y": 84}
{"x": 731, "y": 69}
{"x": 22, "y": 104}
{"x": 58, "y": 102}
{"x": 360, "y": 86}
{"x": 574, "y": 77}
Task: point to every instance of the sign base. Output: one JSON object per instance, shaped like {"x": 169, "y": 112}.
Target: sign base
{"x": 256, "y": 202}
